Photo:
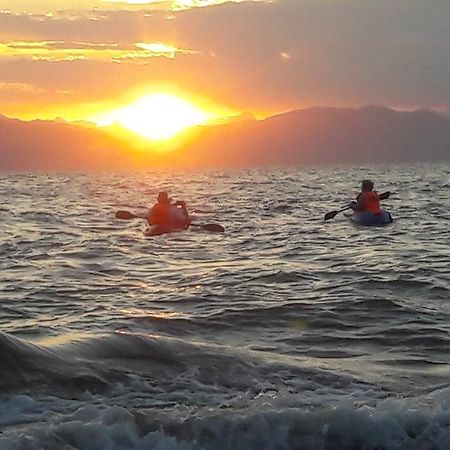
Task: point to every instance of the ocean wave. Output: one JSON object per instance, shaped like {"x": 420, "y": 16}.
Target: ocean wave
{"x": 29, "y": 366}
{"x": 283, "y": 332}
{"x": 104, "y": 363}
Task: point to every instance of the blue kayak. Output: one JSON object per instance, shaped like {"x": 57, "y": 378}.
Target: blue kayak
{"x": 370, "y": 219}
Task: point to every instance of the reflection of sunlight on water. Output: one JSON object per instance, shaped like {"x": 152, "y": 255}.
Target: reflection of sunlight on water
{"x": 69, "y": 268}
{"x": 144, "y": 314}
{"x": 63, "y": 339}
{"x": 298, "y": 324}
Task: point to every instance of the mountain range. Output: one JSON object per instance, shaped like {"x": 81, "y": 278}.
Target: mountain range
{"x": 311, "y": 136}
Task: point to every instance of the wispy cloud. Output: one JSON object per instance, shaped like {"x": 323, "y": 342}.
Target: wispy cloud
{"x": 25, "y": 88}
{"x": 134, "y": 2}
{"x": 13, "y": 91}
{"x": 177, "y": 5}
{"x": 187, "y": 4}
{"x": 56, "y": 51}
{"x": 44, "y": 9}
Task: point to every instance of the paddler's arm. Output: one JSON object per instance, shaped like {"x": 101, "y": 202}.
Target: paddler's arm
{"x": 359, "y": 204}
{"x": 182, "y": 204}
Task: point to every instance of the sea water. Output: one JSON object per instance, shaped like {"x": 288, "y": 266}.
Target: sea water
{"x": 284, "y": 332}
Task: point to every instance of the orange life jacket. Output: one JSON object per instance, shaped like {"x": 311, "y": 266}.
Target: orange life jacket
{"x": 160, "y": 214}
{"x": 371, "y": 202}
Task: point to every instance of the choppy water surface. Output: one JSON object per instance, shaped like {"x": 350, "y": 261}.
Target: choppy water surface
{"x": 283, "y": 332}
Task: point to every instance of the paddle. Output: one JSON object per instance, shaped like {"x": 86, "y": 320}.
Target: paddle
{"x": 126, "y": 215}
{"x": 213, "y": 227}
{"x": 330, "y": 215}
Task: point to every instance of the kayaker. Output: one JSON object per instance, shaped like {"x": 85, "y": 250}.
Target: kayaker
{"x": 368, "y": 200}
{"x": 166, "y": 214}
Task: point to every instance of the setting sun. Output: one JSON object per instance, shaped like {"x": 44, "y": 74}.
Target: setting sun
{"x": 157, "y": 116}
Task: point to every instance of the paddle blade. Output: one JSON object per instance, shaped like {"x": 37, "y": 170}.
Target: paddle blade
{"x": 330, "y": 215}
{"x": 125, "y": 215}
{"x": 213, "y": 227}
{"x": 385, "y": 195}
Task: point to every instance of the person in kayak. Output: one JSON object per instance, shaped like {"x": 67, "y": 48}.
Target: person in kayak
{"x": 368, "y": 200}
{"x": 166, "y": 214}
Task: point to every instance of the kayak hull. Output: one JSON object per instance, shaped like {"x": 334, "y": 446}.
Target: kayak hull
{"x": 369, "y": 219}
{"x": 179, "y": 221}
{"x": 158, "y": 230}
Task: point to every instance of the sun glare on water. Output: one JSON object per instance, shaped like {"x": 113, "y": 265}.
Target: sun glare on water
{"x": 157, "y": 116}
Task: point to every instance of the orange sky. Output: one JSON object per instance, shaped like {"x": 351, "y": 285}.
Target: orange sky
{"x": 77, "y": 59}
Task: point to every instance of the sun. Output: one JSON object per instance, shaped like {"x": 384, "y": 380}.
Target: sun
{"x": 157, "y": 116}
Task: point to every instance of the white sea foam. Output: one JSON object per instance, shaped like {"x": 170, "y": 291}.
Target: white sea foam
{"x": 419, "y": 423}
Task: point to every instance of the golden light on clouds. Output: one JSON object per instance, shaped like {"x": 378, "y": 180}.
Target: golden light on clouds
{"x": 27, "y": 88}
{"x": 156, "y": 116}
{"x": 187, "y": 4}
{"x": 58, "y": 8}
{"x": 133, "y": 2}
{"x": 160, "y": 49}
{"x": 177, "y": 4}
{"x": 74, "y": 51}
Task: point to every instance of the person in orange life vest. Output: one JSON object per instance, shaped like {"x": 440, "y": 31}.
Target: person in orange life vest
{"x": 160, "y": 213}
{"x": 368, "y": 200}
{"x": 165, "y": 213}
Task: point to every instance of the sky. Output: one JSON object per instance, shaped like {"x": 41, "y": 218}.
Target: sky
{"x": 75, "y": 59}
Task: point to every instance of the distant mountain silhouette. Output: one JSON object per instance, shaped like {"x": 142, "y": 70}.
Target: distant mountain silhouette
{"x": 300, "y": 137}
{"x": 326, "y": 136}
{"x": 242, "y": 117}
{"x": 45, "y": 145}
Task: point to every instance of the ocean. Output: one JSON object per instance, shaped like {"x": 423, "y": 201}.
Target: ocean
{"x": 284, "y": 332}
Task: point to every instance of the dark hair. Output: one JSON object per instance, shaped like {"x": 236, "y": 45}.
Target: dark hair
{"x": 162, "y": 196}
{"x": 367, "y": 184}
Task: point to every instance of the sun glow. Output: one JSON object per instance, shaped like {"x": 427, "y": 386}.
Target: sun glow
{"x": 157, "y": 116}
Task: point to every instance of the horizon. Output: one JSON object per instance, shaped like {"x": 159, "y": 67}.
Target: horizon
{"x": 248, "y": 115}
{"x": 305, "y": 137}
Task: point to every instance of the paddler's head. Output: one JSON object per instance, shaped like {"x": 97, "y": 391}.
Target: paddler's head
{"x": 163, "y": 197}
{"x": 367, "y": 185}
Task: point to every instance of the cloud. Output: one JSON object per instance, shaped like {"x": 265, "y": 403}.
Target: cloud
{"x": 13, "y": 88}
{"x": 260, "y": 56}
{"x": 175, "y": 5}
{"x": 56, "y": 51}
{"x": 179, "y": 5}
{"x": 160, "y": 49}
{"x": 12, "y": 93}
{"x": 53, "y": 8}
